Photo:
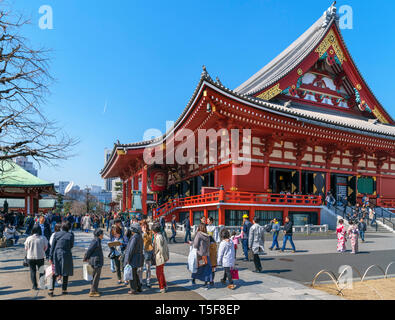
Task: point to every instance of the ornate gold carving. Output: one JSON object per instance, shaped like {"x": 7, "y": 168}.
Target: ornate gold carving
{"x": 331, "y": 40}
{"x": 300, "y": 71}
{"x": 272, "y": 92}
{"x": 359, "y": 87}
{"x": 379, "y": 116}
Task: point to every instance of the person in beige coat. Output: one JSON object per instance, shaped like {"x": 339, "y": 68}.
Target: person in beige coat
{"x": 161, "y": 256}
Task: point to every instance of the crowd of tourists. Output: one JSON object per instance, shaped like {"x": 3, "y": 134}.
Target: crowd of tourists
{"x": 138, "y": 245}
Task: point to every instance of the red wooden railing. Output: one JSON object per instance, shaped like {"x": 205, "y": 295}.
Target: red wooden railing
{"x": 386, "y": 203}
{"x": 238, "y": 197}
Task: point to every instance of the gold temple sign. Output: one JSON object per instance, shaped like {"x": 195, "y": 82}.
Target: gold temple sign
{"x": 379, "y": 116}
{"x": 331, "y": 40}
{"x": 272, "y": 92}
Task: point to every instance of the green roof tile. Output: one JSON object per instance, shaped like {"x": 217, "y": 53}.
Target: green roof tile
{"x": 12, "y": 175}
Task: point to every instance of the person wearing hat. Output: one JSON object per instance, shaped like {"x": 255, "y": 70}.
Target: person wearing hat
{"x": 275, "y": 230}
{"x": 134, "y": 257}
{"x": 94, "y": 256}
{"x": 246, "y": 231}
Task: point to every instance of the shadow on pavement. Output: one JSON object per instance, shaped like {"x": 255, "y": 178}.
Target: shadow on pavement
{"x": 12, "y": 291}
{"x": 13, "y": 268}
{"x": 276, "y": 271}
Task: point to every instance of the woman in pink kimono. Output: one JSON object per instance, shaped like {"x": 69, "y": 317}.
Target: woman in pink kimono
{"x": 341, "y": 236}
{"x": 353, "y": 234}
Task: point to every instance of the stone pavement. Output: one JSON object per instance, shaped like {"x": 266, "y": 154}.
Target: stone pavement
{"x": 15, "y": 281}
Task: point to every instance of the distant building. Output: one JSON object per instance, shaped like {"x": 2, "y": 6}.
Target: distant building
{"x": 62, "y": 186}
{"x": 26, "y": 164}
{"x": 108, "y": 183}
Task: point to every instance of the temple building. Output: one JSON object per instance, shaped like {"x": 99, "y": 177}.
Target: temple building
{"x": 315, "y": 126}
{"x": 23, "y": 191}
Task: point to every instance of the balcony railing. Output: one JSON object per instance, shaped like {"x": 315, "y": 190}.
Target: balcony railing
{"x": 225, "y": 197}
{"x": 386, "y": 203}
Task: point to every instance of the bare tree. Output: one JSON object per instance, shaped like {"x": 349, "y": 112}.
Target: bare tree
{"x": 24, "y": 82}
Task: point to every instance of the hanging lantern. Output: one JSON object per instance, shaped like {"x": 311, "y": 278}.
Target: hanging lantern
{"x": 158, "y": 180}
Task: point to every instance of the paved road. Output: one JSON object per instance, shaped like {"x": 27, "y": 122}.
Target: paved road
{"x": 315, "y": 253}
{"x": 15, "y": 281}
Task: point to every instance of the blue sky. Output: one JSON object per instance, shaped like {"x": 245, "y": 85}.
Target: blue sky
{"x": 143, "y": 59}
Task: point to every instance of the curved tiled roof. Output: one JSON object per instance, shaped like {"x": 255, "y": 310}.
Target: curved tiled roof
{"x": 286, "y": 61}
{"x": 12, "y": 175}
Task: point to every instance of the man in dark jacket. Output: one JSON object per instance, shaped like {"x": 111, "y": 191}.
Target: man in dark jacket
{"x": 162, "y": 222}
{"x": 288, "y": 232}
{"x": 362, "y": 229}
{"x": 173, "y": 229}
{"x": 95, "y": 257}
{"x": 45, "y": 231}
{"x": 29, "y": 224}
{"x": 134, "y": 257}
{"x": 187, "y": 225}
{"x": 246, "y": 231}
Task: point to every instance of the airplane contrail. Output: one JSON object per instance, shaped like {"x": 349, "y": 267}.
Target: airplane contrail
{"x": 105, "y": 107}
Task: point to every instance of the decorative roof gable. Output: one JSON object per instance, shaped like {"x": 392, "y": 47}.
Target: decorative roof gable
{"x": 321, "y": 44}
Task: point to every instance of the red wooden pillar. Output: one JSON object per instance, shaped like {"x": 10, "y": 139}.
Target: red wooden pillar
{"x": 144, "y": 191}
{"x": 235, "y": 180}
{"x": 221, "y": 216}
{"x": 129, "y": 194}
{"x": 124, "y": 187}
{"x": 216, "y": 178}
{"x": 266, "y": 175}
{"x": 285, "y": 214}
{"x": 327, "y": 183}
{"x": 205, "y": 211}
{"x": 31, "y": 204}
{"x": 191, "y": 217}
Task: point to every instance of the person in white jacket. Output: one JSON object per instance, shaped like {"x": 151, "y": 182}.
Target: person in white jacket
{"x": 226, "y": 257}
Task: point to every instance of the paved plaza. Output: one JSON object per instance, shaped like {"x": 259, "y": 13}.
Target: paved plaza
{"x": 285, "y": 276}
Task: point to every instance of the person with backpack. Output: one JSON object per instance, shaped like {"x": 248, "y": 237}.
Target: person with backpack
{"x": 94, "y": 256}
{"x": 226, "y": 257}
{"x": 161, "y": 256}
{"x": 275, "y": 228}
{"x": 256, "y": 243}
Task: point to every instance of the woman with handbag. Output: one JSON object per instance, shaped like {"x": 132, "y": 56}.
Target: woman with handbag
{"x": 61, "y": 257}
{"x": 35, "y": 247}
{"x": 94, "y": 256}
{"x": 226, "y": 257}
{"x": 148, "y": 251}
{"x": 116, "y": 252}
{"x": 202, "y": 244}
{"x": 160, "y": 256}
